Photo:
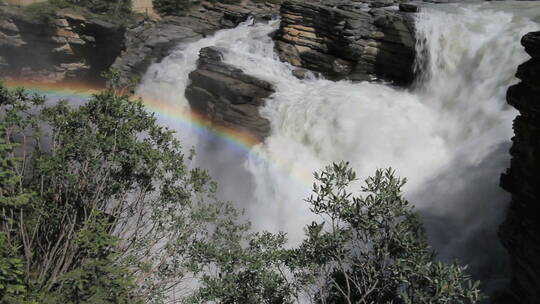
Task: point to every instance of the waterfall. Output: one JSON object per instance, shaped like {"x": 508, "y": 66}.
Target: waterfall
{"x": 449, "y": 135}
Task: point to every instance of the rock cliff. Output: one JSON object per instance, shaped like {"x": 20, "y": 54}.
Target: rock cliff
{"x": 151, "y": 41}
{"x": 226, "y": 96}
{"x": 349, "y": 40}
{"x": 69, "y": 47}
{"x": 520, "y": 233}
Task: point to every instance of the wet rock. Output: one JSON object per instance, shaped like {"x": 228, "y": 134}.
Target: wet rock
{"x": 531, "y": 42}
{"x": 153, "y": 40}
{"x": 305, "y": 74}
{"x": 381, "y": 3}
{"x": 520, "y": 233}
{"x": 346, "y": 41}
{"x": 408, "y": 8}
{"x": 227, "y": 96}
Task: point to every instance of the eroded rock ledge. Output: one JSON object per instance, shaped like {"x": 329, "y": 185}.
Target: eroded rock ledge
{"x": 226, "y": 96}
{"x": 152, "y": 40}
{"x": 520, "y": 233}
{"x": 68, "y": 48}
{"x": 349, "y": 40}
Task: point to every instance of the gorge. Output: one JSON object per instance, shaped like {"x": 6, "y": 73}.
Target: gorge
{"x": 420, "y": 88}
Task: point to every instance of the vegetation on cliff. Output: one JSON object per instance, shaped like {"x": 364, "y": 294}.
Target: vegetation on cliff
{"x": 171, "y": 7}
{"x": 99, "y": 204}
{"x": 180, "y": 7}
{"x": 117, "y": 11}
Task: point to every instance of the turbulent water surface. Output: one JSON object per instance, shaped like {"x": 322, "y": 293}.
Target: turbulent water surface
{"x": 449, "y": 135}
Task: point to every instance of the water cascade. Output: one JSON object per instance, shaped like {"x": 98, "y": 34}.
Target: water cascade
{"x": 449, "y": 135}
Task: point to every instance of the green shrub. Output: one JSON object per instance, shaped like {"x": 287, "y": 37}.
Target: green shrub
{"x": 117, "y": 215}
{"x": 107, "y": 7}
{"x": 12, "y": 285}
{"x": 368, "y": 249}
{"x": 45, "y": 12}
{"x": 116, "y": 11}
{"x": 96, "y": 279}
{"x": 171, "y": 7}
{"x": 114, "y": 203}
{"x": 373, "y": 248}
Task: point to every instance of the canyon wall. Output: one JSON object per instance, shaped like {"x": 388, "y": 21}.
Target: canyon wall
{"x": 520, "y": 233}
{"x": 68, "y": 47}
{"x": 153, "y": 40}
{"x": 361, "y": 40}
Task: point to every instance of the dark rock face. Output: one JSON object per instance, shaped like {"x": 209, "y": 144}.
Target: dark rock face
{"x": 520, "y": 233}
{"x": 348, "y": 40}
{"x": 72, "y": 48}
{"x": 408, "y": 7}
{"x": 151, "y": 41}
{"x": 226, "y": 96}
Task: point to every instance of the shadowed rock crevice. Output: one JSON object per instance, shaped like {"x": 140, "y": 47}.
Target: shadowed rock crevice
{"x": 226, "y": 96}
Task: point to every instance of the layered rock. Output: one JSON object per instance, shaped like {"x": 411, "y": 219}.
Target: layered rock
{"x": 68, "y": 47}
{"x": 520, "y": 233}
{"x": 349, "y": 40}
{"x": 152, "y": 40}
{"x": 226, "y": 96}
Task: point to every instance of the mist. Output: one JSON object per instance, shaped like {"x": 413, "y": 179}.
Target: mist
{"x": 449, "y": 136}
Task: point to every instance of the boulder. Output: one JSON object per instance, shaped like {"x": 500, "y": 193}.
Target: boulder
{"x": 345, "y": 40}
{"x": 408, "y": 8}
{"x": 531, "y": 42}
{"x": 226, "y": 96}
{"x": 520, "y": 232}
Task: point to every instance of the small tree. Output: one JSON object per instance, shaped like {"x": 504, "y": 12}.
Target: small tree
{"x": 367, "y": 249}
{"x": 106, "y": 157}
{"x": 251, "y": 274}
{"x": 12, "y": 284}
{"x": 13, "y": 287}
{"x": 372, "y": 248}
{"x": 96, "y": 279}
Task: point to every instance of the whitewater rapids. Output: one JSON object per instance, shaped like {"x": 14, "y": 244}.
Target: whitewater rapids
{"x": 449, "y": 136}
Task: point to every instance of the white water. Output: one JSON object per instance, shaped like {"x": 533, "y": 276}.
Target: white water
{"x": 450, "y": 136}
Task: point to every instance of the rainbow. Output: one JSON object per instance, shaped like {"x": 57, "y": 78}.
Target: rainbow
{"x": 81, "y": 92}
{"x": 242, "y": 141}
{"x": 57, "y": 90}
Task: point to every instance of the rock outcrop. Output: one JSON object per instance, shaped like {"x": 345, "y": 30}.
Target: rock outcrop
{"x": 68, "y": 47}
{"x": 520, "y": 233}
{"x": 226, "y": 96}
{"x": 151, "y": 41}
{"x": 349, "y": 40}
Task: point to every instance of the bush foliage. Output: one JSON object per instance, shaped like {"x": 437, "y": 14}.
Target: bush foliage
{"x": 116, "y": 11}
{"x": 111, "y": 7}
{"x": 99, "y": 204}
{"x": 180, "y": 7}
{"x": 171, "y": 7}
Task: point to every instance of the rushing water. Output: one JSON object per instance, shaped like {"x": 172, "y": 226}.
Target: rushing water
{"x": 449, "y": 136}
